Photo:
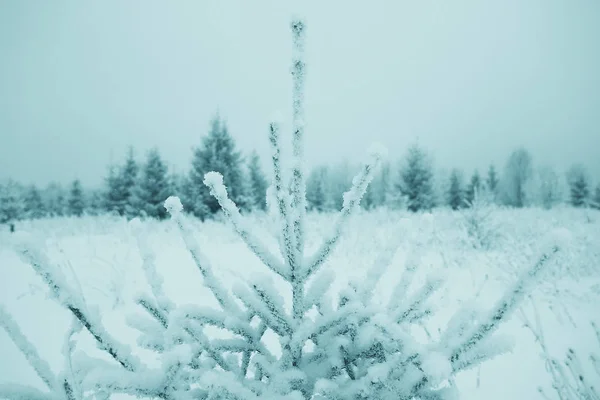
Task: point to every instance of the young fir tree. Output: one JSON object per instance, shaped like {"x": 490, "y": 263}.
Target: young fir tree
{"x": 473, "y": 188}
{"x": 346, "y": 345}
{"x": 579, "y": 186}
{"x": 153, "y": 187}
{"x": 456, "y": 198}
{"x": 33, "y": 204}
{"x": 416, "y": 180}
{"x": 258, "y": 184}
{"x": 76, "y": 201}
{"x": 217, "y": 152}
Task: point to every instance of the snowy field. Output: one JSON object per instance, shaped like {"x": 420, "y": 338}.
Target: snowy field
{"x": 100, "y": 256}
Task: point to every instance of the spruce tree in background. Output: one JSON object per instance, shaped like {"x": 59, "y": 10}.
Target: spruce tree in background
{"x": 517, "y": 173}
{"x": 55, "y": 199}
{"x": 416, "y": 180}
{"x": 492, "y": 180}
{"x": 153, "y": 187}
{"x": 120, "y": 184}
{"x": 474, "y": 187}
{"x": 456, "y": 197}
{"x": 336, "y": 182}
{"x": 596, "y": 201}
{"x": 217, "y": 152}
{"x": 76, "y": 199}
{"x": 112, "y": 196}
{"x": 128, "y": 179}
{"x": 94, "y": 202}
{"x": 258, "y": 184}
{"x": 33, "y": 204}
{"x": 579, "y": 186}
{"x": 181, "y": 185}
{"x": 316, "y": 193}
{"x": 549, "y": 188}
{"x": 11, "y": 209}
{"x": 379, "y": 192}
{"x": 383, "y": 184}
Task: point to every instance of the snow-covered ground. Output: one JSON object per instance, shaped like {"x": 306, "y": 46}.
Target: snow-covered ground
{"x": 100, "y": 256}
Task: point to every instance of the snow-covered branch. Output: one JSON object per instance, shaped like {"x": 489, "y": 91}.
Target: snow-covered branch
{"x": 214, "y": 181}
{"x": 175, "y": 208}
{"x": 40, "y": 366}
{"x": 283, "y": 198}
{"x": 57, "y": 283}
{"x": 21, "y": 392}
{"x": 351, "y": 201}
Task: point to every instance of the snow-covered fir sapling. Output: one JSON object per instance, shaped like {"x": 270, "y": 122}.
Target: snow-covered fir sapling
{"x": 350, "y": 347}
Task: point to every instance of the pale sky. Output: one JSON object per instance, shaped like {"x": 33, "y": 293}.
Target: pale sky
{"x": 470, "y": 80}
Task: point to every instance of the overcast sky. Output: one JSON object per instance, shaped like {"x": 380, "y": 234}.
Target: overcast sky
{"x": 468, "y": 80}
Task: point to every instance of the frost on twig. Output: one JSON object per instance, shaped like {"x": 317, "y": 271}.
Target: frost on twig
{"x": 572, "y": 378}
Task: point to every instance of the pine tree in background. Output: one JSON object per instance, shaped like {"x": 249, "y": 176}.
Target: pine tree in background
{"x": 153, "y": 187}
{"x": 579, "y": 186}
{"x": 474, "y": 187}
{"x": 11, "y": 207}
{"x": 492, "y": 180}
{"x": 94, "y": 202}
{"x": 258, "y": 184}
{"x": 76, "y": 199}
{"x": 316, "y": 192}
{"x": 217, "y": 152}
{"x": 113, "y": 202}
{"x": 182, "y": 186}
{"x": 383, "y": 185}
{"x": 33, "y": 204}
{"x": 120, "y": 184}
{"x": 379, "y": 193}
{"x": 416, "y": 180}
{"x": 456, "y": 197}
{"x": 518, "y": 172}
{"x": 128, "y": 179}
{"x": 596, "y": 201}
{"x": 55, "y": 199}
{"x": 549, "y": 188}
{"x": 339, "y": 177}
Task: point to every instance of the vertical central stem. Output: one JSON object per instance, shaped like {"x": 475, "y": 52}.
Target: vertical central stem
{"x": 298, "y": 184}
{"x": 298, "y": 204}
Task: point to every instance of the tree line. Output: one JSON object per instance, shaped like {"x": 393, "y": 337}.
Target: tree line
{"x": 412, "y": 184}
{"x": 136, "y": 188}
